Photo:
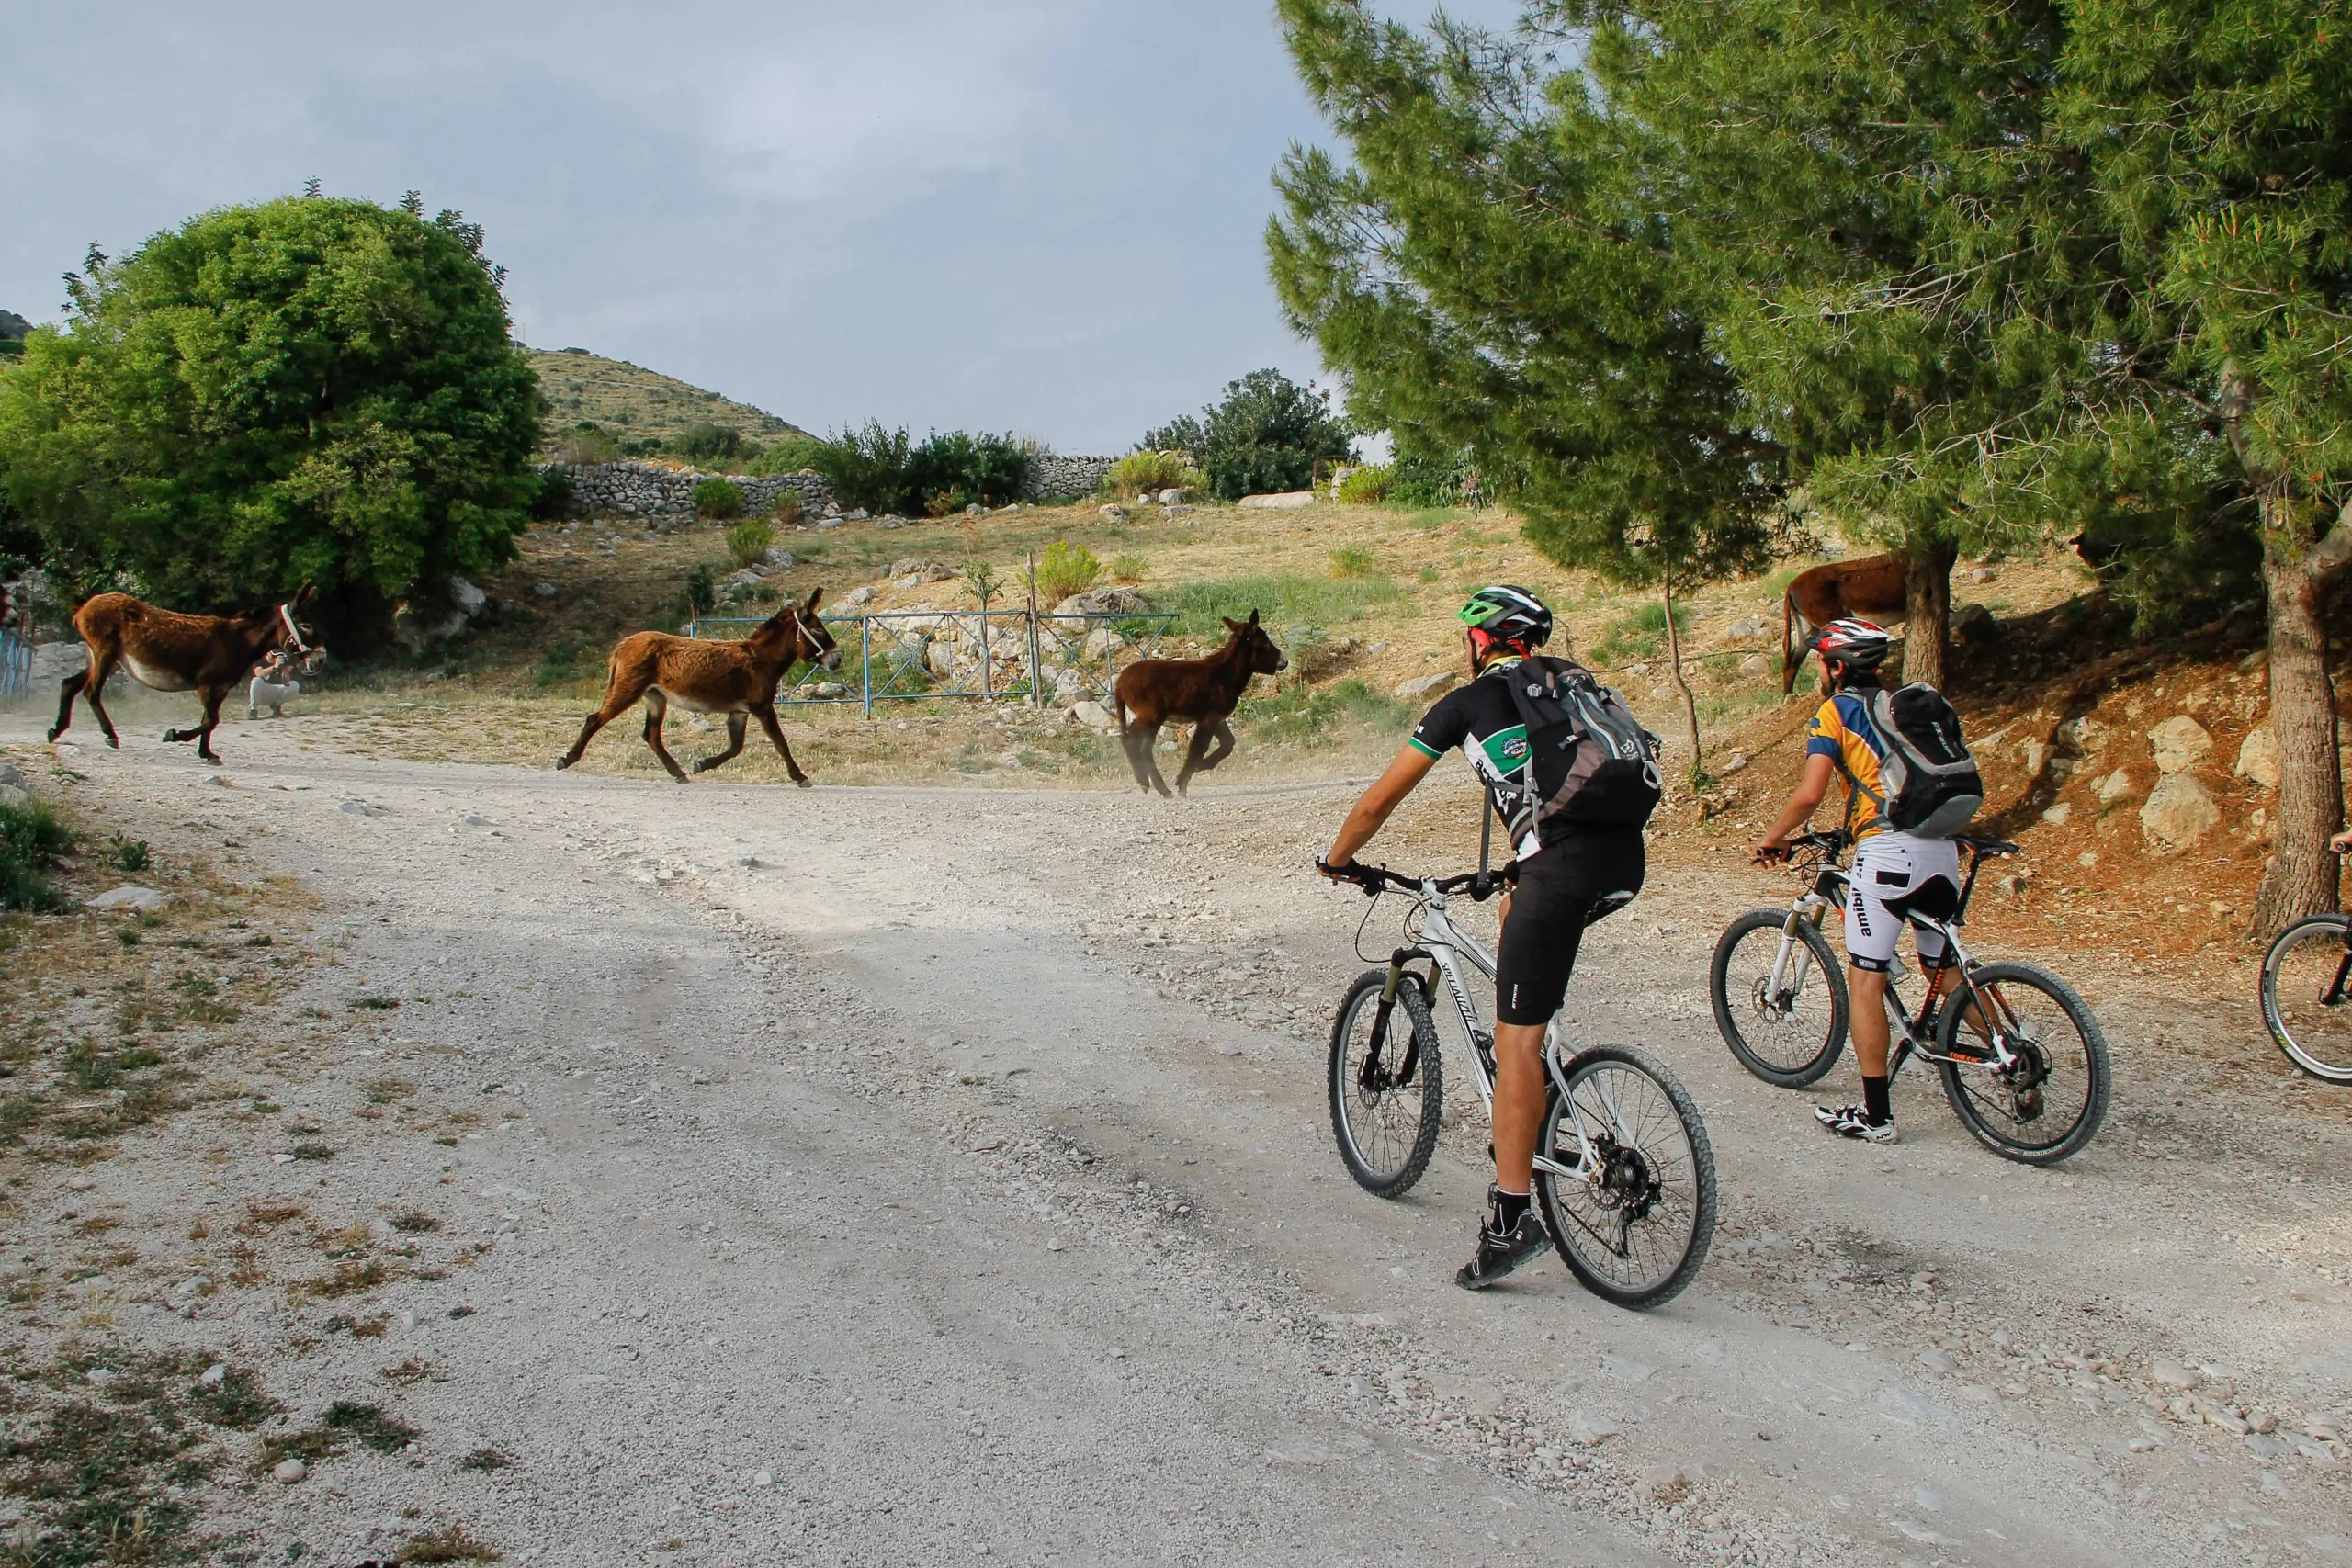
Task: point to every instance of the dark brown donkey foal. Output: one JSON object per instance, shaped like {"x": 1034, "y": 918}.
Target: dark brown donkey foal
{"x": 1201, "y": 690}
{"x": 738, "y": 679}
{"x": 210, "y": 655}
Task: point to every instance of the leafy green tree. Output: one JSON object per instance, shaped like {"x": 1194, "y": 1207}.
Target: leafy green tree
{"x": 1266, "y": 436}
{"x": 703, "y": 442}
{"x": 2218, "y": 136}
{"x": 308, "y": 389}
{"x": 1498, "y": 277}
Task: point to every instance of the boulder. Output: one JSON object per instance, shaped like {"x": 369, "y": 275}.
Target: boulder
{"x": 1422, "y": 686}
{"x": 2258, "y": 757}
{"x": 9, "y": 775}
{"x": 858, "y": 596}
{"x": 2180, "y": 743}
{"x": 1176, "y": 495}
{"x": 2114, "y": 787}
{"x": 1284, "y": 500}
{"x": 1740, "y": 631}
{"x": 2085, "y": 734}
{"x": 778, "y": 558}
{"x": 2180, "y": 811}
{"x": 1973, "y": 623}
{"x": 1104, "y": 602}
{"x": 16, "y": 796}
{"x": 923, "y": 571}
{"x": 1755, "y": 665}
{"x": 1092, "y": 715}
{"x": 144, "y": 900}
{"x": 1113, "y": 514}
{"x": 468, "y": 598}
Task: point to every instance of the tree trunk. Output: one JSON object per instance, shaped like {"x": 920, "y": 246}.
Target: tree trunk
{"x": 2302, "y": 876}
{"x": 1689, "y": 701}
{"x": 1927, "y": 626}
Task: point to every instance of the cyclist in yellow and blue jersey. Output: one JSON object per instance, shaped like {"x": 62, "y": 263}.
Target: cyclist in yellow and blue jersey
{"x": 1890, "y": 868}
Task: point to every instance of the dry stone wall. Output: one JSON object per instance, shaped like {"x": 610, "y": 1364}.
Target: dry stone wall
{"x": 1056, "y": 476}
{"x": 647, "y": 489}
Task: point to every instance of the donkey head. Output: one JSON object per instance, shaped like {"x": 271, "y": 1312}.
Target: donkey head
{"x": 813, "y": 642}
{"x": 290, "y": 632}
{"x": 1257, "y": 650}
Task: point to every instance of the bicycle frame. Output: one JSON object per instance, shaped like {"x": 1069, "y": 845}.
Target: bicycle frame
{"x": 1447, "y": 947}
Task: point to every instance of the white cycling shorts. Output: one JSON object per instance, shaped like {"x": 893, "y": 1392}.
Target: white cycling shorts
{"x": 1892, "y": 866}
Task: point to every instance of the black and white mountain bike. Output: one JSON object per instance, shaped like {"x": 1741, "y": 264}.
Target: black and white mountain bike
{"x": 1624, "y": 1173}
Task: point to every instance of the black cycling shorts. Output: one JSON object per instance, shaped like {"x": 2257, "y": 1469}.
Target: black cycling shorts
{"x": 1564, "y": 888}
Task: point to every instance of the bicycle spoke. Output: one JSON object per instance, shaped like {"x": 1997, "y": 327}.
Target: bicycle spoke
{"x": 2302, "y": 1005}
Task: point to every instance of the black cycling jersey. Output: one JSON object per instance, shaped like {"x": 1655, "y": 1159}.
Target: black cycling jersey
{"x": 1482, "y": 719}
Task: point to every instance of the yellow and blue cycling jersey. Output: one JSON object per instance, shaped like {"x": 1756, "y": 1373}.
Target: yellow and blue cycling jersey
{"x": 1842, "y": 732}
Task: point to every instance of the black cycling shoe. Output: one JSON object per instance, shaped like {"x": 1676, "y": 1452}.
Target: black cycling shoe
{"x": 1500, "y": 1252}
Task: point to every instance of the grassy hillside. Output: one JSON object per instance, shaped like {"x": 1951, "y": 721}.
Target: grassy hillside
{"x": 634, "y": 403}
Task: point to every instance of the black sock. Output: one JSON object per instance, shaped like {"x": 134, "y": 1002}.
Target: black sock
{"x": 1877, "y": 1107}
{"x": 1508, "y": 1208}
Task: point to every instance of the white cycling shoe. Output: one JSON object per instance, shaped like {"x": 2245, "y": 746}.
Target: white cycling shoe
{"x": 1853, "y": 1122}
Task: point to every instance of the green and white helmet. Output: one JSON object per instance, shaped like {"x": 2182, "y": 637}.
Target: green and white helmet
{"x": 1508, "y": 614}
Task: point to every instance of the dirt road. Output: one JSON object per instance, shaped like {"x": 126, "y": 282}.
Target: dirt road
{"x": 885, "y": 1174}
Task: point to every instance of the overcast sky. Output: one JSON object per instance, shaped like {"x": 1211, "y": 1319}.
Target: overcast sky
{"x": 1042, "y": 216}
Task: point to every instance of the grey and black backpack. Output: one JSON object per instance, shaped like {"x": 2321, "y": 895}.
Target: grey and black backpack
{"x": 1589, "y": 759}
{"x": 1933, "y": 788}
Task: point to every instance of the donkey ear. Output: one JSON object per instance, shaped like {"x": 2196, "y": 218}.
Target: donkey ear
{"x": 814, "y": 595}
{"x": 302, "y": 596}
{"x": 1253, "y": 617}
{"x": 1231, "y": 624}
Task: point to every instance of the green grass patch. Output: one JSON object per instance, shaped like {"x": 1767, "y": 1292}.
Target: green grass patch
{"x": 31, "y": 837}
{"x": 1280, "y": 601}
{"x": 1318, "y": 719}
{"x": 1640, "y": 636}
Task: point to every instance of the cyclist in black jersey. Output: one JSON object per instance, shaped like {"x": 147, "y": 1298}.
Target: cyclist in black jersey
{"x": 1570, "y": 873}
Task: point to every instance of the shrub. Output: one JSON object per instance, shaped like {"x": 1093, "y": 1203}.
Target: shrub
{"x": 1129, "y": 568}
{"x": 790, "y": 455}
{"x": 789, "y": 509}
{"x": 1267, "y": 435}
{"x": 1065, "y": 569}
{"x": 748, "y": 541}
{"x": 31, "y": 839}
{"x": 1352, "y": 560}
{"x": 556, "y": 500}
{"x": 702, "y": 588}
{"x": 886, "y": 471}
{"x": 1368, "y": 486}
{"x": 703, "y": 442}
{"x": 717, "y": 499}
{"x": 1418, "y": 478}
{"x": 125, "y": 855}
{"x": 586, "y": 444}
{"x": 1140, "y": 471}
{"x": 868, "y": 467}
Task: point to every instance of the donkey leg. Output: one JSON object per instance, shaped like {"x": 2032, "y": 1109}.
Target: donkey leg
{"x": 65, "y": 692}
{"x": 657, "y": 709}
{"x": 93, "y": 692}
{"x": 735, "y": 726}
{"x": 619, "y": 697}
{"x": 776, "y": 733}
{"x": 1212, "y": 744}
{"x": 1147, "y": 748}
{"x": 213, "y": 697}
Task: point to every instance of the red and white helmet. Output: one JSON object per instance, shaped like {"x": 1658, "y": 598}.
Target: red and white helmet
{"x": 1855, "y": 643}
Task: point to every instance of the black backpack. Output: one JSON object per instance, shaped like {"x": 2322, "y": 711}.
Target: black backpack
{"x": 1932, "y": 785}
{"x": 1589, "y": 759}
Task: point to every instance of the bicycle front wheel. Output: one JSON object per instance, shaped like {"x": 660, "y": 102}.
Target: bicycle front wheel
{"x": 1387, "y": 1094}
{"x": 1787, "y": 1031}
{"x": 1633, "y": 1209}
{"x": 2303, "y": 977}
{"x": 2051, "y": 1103}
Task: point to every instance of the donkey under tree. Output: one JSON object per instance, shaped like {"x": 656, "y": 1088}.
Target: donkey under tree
{"x": 210, "y": 655}
{"x": 738, "y": 679}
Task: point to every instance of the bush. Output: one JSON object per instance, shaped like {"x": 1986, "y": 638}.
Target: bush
{"x": 790, "y": 455}
{"x": 718, "y": 500}
{"x": 1418, "y": 478}
{"x": 585, "y": 444}
{"x": 1267, "y": 435}
{"x": 1065, "y": 569}
{"x": 703, "y": 442}
{"x": 125, "y": 855}
{"x": 1350, "y": 560}
{"x": 748, "y": 541}
{"x": 789, "y": 509}
{"x": 885, "y": 470}
{"x": 1139, "y": 471}
{"x": 868, "y": 466}
{"x": 31, "y": 839}
{"x": 1368, "y": 486}
{"x": 1129, "y": 569}
{"x": 556, "y": 501}
{"x": 702, "y": 588}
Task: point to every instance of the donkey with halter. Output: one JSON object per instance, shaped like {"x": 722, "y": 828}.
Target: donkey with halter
{"x": 738, "y": 679}
{"x": 171, "y": 652}
{"x": 1204, "y": 691}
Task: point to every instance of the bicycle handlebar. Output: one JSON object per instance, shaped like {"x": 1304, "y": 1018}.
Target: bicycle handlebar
{"x": 1377, "y": 879}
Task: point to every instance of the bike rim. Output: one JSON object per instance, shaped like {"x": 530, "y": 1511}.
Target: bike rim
{"x": 1633, "y": 1229}
{"x": 1381, "y": 1125}
{"x": 2302, "y": 969}
{"x": 2039, "y": 1104}
{"x": 1788, "y": 1028}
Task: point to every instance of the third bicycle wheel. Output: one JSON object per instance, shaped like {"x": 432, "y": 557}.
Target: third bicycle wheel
{"x": 1634, "y": 1224}
{"x": 1790, "y": 1032}
{"x": 2052, "y": 1103}
{"x": 2305, "y": 969}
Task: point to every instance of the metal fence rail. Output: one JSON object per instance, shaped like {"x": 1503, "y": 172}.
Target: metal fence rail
{"x": 15, "y": 665}
{"x": 931, "y": 655}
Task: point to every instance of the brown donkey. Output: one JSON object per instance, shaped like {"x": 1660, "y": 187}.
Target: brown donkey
{"x": 210, "y": 655}
{"x": 1875, "y": 588}
{"x": 738, "y": 679}
{"x": 1202, "y": 690}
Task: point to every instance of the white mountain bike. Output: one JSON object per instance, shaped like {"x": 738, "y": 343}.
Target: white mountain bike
{"x": 1624, "y": 1175}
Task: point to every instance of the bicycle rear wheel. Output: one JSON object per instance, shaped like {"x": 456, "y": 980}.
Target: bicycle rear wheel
{"x": 1634, "y": 1223}
{"x": 1788, "y": 1034}
{"x": 2303, "y": 968}
{"x": 1385, "y": 1103}
{"x": 2052, "y": 1103}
